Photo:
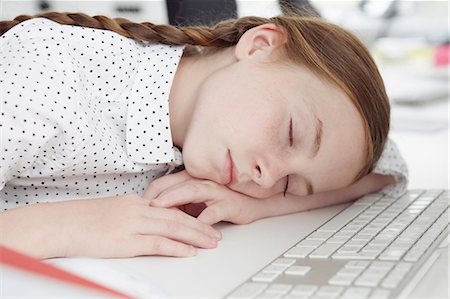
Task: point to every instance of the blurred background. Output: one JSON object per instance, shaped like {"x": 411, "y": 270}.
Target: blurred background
{"x": 408, "y": 39}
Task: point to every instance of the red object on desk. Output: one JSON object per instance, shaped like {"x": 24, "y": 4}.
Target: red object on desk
{"x": 23, "y": 262}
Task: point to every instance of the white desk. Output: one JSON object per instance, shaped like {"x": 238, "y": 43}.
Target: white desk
{"x": 245, "y": 249}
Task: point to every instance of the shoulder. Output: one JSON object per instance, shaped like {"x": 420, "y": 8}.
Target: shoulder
{"x": 28, "y": 27}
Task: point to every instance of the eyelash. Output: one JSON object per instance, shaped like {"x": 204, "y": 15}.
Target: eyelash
{"x": 291, "y": 142}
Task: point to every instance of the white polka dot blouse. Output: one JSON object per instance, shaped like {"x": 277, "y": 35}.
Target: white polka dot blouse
{"x": 85, "y": 114}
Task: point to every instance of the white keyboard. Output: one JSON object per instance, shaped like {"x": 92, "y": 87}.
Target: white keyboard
{"x": 370, "y": 250}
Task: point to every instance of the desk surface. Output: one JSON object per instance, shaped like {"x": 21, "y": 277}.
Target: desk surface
{"x": 245, "y": 249}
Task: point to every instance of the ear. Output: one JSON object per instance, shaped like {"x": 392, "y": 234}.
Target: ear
{"x": 260, "y": 42}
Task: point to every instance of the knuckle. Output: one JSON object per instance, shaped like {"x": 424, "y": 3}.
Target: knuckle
{"x": 208, "y": 183}
{"x": 211, "y": 214}
{"x": 157, "y": 245}
{"x": 172, "y": 227}
{"x": 193, "y": 189}
{"x": 155, "y": 186}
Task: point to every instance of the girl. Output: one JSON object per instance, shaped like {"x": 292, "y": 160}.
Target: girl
{"x": 273, "y": 116}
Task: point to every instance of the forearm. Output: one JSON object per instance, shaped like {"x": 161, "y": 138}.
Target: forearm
{"x": 279, "y": 205}
{"x": 36, "y": 230}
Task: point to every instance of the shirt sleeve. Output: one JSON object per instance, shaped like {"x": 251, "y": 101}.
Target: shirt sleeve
{"x": 392, "y": 163}
{"x": 34, "y": 106}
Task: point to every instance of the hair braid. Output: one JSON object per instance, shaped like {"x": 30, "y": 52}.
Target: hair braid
{"x": 222, "y": 35}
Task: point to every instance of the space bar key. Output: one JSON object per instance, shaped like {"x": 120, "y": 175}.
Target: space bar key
{"x": 342, "y": 218}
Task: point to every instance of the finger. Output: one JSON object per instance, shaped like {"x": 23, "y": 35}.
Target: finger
{"x": 182, "y": 218}
{"x": 177, "y": 231}
{"x": 189, "y": 192}
{"x": 164, "y": 182}
{"x": 214, "y": 213}
{"x": 156, "y": 245}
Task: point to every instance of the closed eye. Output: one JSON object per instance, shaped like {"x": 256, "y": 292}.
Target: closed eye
{"x": 291, "y": 135}
{"x": 287, "y": 185}
{"x": 291, "y": 143}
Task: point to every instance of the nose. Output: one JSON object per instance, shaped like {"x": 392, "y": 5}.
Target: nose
{"x": 267, "y": 173}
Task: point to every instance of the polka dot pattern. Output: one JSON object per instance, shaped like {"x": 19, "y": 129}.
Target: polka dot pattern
{"x": 84, "y": 113}
{"x": 392, "y": 163}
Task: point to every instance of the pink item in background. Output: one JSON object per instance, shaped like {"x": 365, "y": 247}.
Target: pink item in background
{"x": 442, "y": 55}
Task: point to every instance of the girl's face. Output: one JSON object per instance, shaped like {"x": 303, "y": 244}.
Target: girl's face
{"x": 269, "y": 120}
{"x": 280, "y": 125}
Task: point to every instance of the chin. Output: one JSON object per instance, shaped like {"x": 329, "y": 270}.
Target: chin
{"x": 198, "y": 173}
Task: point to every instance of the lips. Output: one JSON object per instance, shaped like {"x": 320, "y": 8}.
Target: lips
{"x": 228, "y": 170}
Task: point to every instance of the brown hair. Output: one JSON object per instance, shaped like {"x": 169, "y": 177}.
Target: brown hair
{"x": 327, "y": 49}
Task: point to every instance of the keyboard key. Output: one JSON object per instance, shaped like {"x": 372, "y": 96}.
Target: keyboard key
{"x": 298, "y": 252}
{"x": 380, "y": 294}
{"x": 284, "y": 261}
{"x": 297, "y": 270}
{"x": 361, "y": 236}
{"x": 338, "y": 240}
{"x": 374, "y": 248}
{"x": 248, "y": 290}
{"x": 267, "y": 295}
{"x": 274, "y": 269}
{"x": 359, "y": 293}
{"x": 355, "y": 256}
{"x": 304, "y": 289}
{"x": 369, "y": 280}
{"x": 403, "y": 266}
{"x": 343, "y": 234}
{"x": 341, "y": 280}
{"x": 356, "y": 243}
{"x": 320, "y": 235}
{"x": 348, "y": 249}
{"x": 265, "y": 277}
{"x": 357, "y": 264}
{"x": 309, "y": 242}
{"x": 368, "y": 199}
{"x": 279, "y": 288}
{"x": 353, "y": 272}
{"x": 382, "y": 265}
{"x": 390, "y": 282}
{"x": 325, "y": 250}
{"x": 392, "y": 254}
{"x": 324, "y": 296}
{"x": 334, "y": 291}
{"x": 292, "y": 296}
{"x": 376, "y": 271}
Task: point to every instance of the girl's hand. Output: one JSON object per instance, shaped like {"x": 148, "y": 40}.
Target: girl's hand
{"x": 213, "y": 202}
{"x": 123, "y": 226}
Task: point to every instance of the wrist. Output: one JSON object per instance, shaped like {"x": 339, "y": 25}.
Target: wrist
{"x": 32, "y": 230}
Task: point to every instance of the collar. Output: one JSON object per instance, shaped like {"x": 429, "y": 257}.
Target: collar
{"x": 148, "y": 136}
